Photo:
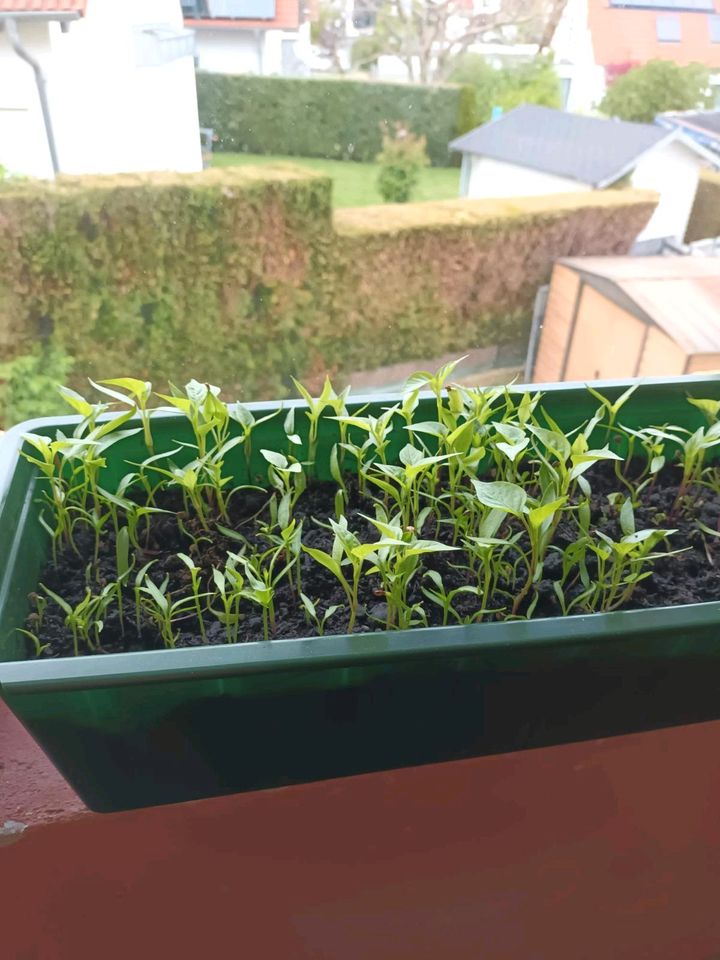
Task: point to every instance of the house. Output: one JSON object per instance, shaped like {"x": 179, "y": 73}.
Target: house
{"x": 597, "y": 40}
{"x": 96, "y": 86}
{"x": 700, "y": 125}
{"x": 535, "y": 150}
{"x": 611, "y": 317}
{"x": 250, "y": 36}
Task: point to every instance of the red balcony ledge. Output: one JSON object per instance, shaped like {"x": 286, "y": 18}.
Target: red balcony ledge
{"x": 608, "y": 848}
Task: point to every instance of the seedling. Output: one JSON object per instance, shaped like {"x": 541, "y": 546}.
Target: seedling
{"x": 137, "y": 397}
{"x": 260, "y": 583}
{"x": 286, "y": 476}
{"x": 538, "y": 518}
{"x": 319, "y": 620}
{"x": 248, "y": 422}
{"x": 435, "y": 382}
{"x": 396, "y": 558}
{"x": 207, "y": 414}
{"x": 165, "y": 612}
{"x": 85, "y": 618}
{"x": 444, "y": 598}
{"x": 327, "y": 398}
{"x": 612, "y": 408}
{"x": 197, "y": 594}
{"x": 344, "y": 554}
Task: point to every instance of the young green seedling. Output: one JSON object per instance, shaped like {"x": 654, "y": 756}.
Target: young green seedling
{"x": 378, "y": 430}
{"x": 207, "y": 414}
{"x": 539, "y": 519}
{"x": 124, "y": 563}
{"x": 444, "y": 598}
{"x": 396, "y": 557}
{"x": 623, "y": 564}
{"x": 229, "y": 587}
{"x": 159, "y": 607}
{"x": 36, "y": 619}
{"x": 435, "y": 382}
{"x": 318, "y": 620}
{"x": 137, "y": 397}
{"x": 403, "y": 483}
{"x": 286, "y": 476}
{"x": 344, "y": 547}
{"x": 693, "y": 452}
{"x": 316, "y": 406}
{"x": 612, "y": 408}
{"x": 259, "y": 588}
{"x": 137, "y": 591}
{"x": 248, "y": 422}
{"x": 85, "y": 619}
{"x": 197, "y": 593}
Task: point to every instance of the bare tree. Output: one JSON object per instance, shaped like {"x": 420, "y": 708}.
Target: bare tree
{"x": 549, "y": 18}
{"x": 428, "y": 35}
{"x": 328, "y": 31}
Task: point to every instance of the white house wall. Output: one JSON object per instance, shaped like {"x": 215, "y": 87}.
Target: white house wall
{"x": 229, "y": 51}
{"x": 253, "y": 51}
{"x": 672, "y": 171}
{"x": 574, "y": 59}
{"x": 109, "y": 114}
{"x": 23, "y": 143}
{"x": 494, "y": 178}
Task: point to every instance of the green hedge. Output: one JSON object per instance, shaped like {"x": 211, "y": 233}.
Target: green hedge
{"x": 704, "y": 219}
{"x": 240, "y": 276}
{"x": 335, "y": 118}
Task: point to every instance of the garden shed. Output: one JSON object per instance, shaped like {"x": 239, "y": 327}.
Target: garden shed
{"x": 609, "y": 317}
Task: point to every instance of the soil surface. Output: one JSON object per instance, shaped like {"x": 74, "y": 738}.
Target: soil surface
{"x": 688, "y": 577}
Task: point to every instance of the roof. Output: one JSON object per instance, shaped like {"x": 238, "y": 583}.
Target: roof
{"x": 587, "y": 149}
{"x": 43, "y": 6}
{"x": 680, "y": 295}
{"x": 701, "y": 125}
{"x": 623, "y": 34}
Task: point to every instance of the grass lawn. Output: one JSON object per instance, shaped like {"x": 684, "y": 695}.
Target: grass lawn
{"x": 354, "y": 183}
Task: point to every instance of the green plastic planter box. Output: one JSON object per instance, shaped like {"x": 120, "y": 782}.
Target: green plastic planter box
{"x": 137, "y": 729}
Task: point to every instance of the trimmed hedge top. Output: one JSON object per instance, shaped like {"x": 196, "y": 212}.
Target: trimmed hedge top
{"x": 243, "y": 275}
{"x": 334, "y": 118}
{"x": 392, "y": 218}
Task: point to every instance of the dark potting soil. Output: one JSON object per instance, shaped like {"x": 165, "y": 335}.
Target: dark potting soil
{"x": 689, "y": 577}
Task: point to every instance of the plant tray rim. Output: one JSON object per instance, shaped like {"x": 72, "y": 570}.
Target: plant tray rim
{"x": 343, "y": 650}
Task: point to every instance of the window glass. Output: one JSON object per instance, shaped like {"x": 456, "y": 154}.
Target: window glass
{"x": 668, "y": 29}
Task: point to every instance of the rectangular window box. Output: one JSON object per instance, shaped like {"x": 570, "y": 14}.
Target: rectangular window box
{"x": 137, "y": 729}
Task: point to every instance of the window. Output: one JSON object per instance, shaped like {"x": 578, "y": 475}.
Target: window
{"x": 714, "y": 26}
{"x": 668, "y": 29}
{"x": 689, "y": 5}
{"x": 159, "y": 44}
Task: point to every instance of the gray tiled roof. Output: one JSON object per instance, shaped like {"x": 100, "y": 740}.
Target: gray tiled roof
{"x": 586, "y": 149}
{"x": 705, "y": 121}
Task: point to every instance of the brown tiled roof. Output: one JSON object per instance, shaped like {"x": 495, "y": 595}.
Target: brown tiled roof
{"x": 679, "y": 294}
{"x": 43, "y": 6}
{"x": 625, "y": 35}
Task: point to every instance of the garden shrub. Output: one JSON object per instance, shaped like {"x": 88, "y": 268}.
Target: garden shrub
{"x": 534, "y": 81}
{"x": 401, "y": 159}
{"x": 704, "y": 219}
{"x": 241, "y": 276}
{"x": 27, "y": 384}
{"x": 336, "y": 118}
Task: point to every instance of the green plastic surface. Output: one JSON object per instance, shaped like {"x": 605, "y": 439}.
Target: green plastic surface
{"x": 137, "y": 729}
